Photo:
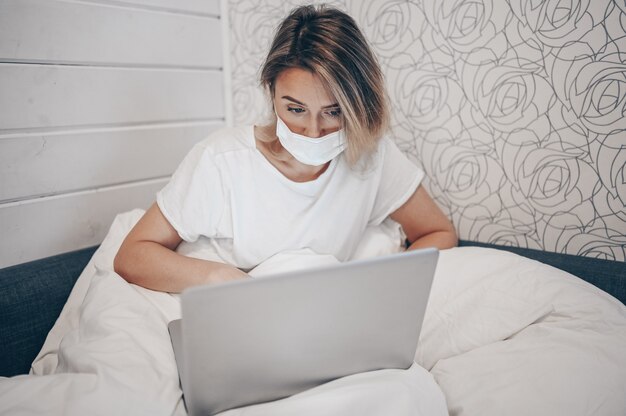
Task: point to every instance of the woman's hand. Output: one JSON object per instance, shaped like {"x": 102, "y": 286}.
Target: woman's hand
{"x": 221, "y": 272}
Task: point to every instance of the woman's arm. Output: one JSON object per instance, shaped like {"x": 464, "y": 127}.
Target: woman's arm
{"x": 147, "y": 258}
{"x": 424, "y": 224}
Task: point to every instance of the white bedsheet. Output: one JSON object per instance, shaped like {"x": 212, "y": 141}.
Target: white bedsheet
{"x": 503, "y": 335}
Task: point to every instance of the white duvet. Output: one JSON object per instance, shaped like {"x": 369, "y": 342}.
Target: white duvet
{"x": 503, "y": 335}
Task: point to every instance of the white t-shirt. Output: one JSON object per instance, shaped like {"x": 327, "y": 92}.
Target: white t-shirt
{"x": 227, "y": 191}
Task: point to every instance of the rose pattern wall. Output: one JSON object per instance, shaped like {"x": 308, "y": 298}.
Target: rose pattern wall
{"x": 515, "y": 109}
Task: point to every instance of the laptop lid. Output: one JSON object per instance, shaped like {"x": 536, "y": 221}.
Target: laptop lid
{"x": 261, "y": 339}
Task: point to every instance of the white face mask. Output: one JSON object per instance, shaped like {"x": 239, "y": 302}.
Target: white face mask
{"x": 309, "y": 150}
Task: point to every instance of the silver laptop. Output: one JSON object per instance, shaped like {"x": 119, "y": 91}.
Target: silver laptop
{"x": 261, "y": 339}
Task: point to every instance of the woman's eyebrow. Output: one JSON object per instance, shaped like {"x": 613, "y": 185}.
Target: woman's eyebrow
{"x": 294, "y": 100}
{"x": 287, "y": 97}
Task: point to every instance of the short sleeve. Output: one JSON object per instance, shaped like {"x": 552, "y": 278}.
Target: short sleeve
{"x": 193, "y": 199}
{"x": 399, "y": 178}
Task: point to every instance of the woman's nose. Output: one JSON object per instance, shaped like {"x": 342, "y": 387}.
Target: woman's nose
{"x": 313, "y": 129}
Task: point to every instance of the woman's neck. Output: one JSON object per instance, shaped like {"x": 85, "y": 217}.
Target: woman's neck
{"x": 269, "y": 146}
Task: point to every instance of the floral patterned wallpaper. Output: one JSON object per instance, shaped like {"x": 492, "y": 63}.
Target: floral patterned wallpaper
{"x": 514, "y": 108}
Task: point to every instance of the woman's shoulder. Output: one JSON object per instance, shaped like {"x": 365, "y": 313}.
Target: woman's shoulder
{"x": 374, "y": 160}
{"x": 385, "y": 158}
{"x": 389, "y": 149}
{"x": 228, "y": 139}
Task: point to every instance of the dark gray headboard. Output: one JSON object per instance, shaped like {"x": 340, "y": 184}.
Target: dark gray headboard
{"x": 32, "y": 296}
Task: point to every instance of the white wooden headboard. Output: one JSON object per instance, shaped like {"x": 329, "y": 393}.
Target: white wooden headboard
{"x": 99, "y": 102}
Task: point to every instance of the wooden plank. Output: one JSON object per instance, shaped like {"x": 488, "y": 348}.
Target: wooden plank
{"x": 52, "y": 31}
{"x": 41, "y": 96}
{"x": 210, "y": 7}
{"x": 35, "y": 164}
{"x": 49, "y": 226}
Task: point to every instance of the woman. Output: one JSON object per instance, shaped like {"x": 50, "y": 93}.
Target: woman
{"x": 315, "y": 178}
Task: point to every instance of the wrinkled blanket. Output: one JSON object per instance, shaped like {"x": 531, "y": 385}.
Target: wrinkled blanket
{"x": 502, "y": 335}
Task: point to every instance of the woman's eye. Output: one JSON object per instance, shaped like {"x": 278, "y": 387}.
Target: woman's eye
{"x": 296, "y": 110}
{"x": 335, "y": 112}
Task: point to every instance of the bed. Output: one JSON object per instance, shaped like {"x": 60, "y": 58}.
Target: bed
{"x": 504, "y": 334}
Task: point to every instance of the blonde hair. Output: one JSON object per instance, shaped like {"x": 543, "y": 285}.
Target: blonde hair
{"x": 328, "y": 42}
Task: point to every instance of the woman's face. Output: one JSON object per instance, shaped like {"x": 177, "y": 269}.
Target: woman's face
{"x": 304, "y": 105}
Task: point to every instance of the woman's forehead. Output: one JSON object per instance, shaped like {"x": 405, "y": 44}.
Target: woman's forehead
{"x": 303, "y": 86}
